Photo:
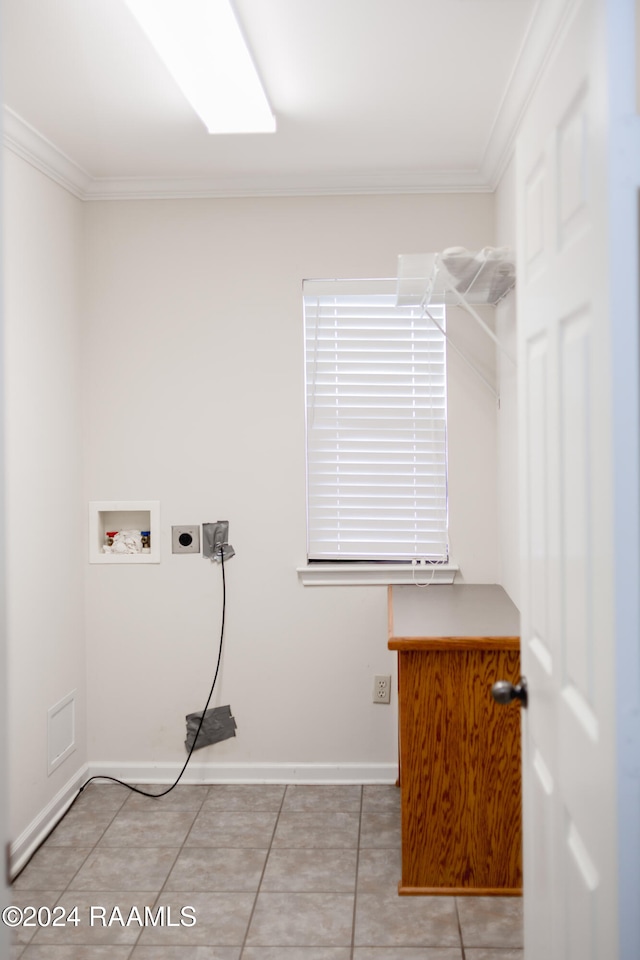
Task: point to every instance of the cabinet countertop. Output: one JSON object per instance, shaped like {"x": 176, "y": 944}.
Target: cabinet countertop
{"x": 455, "y": 613}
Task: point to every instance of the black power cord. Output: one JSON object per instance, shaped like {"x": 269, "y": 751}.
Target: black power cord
{"x": 193, "y": 745}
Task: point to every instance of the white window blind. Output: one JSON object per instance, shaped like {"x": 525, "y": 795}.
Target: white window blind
{"x": 376, "y": 414}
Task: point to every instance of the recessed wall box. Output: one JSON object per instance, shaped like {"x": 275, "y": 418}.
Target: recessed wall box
{"x": 114, "y": 516}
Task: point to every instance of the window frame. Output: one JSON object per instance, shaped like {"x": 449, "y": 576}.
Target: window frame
{"x": 427, "y": 349}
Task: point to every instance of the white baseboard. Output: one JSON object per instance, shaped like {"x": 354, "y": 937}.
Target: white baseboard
{"x": 32, "y": 836}
{"x": 248, "y": 772}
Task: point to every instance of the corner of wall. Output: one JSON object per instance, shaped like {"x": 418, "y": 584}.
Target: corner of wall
{"x": 507, "y": 415}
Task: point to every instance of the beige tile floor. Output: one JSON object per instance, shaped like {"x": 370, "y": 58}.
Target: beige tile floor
{"x": 272, "y": 873}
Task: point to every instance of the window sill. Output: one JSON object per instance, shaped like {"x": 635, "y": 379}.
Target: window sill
{"x": 366, "y": 574}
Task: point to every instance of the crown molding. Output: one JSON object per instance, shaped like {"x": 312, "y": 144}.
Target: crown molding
{"x": 25, "y": 141}
{"x": 547, "y": 22}
{"x": 203, "y": 188}
{"x": 29, "y": 144}
{"x": 546, "y": 26}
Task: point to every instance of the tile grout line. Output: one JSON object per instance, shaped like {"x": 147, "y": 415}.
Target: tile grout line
{"x": 158, "y": 894}
{"x": 242, "y": 942}
{"x": 52, "y": 831}
{"x": 96, "y": 844}
{"x": 355, "y": 889}
{"x": 462, "y": 951}
{"x": 262, "y": 873}
{"x": 91, "y": 850}
{"x": 170, "y": 870}
{"x": 72, "y": 846}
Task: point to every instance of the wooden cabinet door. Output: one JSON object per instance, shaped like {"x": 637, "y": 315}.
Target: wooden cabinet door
{"x": 460, "y": 773}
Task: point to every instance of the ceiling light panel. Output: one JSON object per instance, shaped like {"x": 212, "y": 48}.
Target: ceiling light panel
{"x": 202, "y": 46}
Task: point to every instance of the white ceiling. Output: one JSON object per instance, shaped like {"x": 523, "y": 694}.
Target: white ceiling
{"x": 369, "y": 95}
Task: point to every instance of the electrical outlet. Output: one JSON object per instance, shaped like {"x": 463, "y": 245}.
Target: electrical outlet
{"x": 185, "y": 539}
{"x": 382, "y": 689}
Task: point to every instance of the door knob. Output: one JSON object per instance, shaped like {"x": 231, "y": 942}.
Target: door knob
{"x": 504, "y": 692}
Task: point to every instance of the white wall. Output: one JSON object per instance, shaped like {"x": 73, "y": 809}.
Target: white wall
{"x": 193, "y": 395}
{"x": 169, "y": 336}
{"x": 45, "y": 551}
{"x": 508, "y": 516}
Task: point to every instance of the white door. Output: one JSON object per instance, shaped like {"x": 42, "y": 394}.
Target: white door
{"x": 4, "y": 761}
{"x": 572, "y": 495}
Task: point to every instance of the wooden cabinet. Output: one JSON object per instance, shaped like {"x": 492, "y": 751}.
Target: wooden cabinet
{"x": 460, "y": 774}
